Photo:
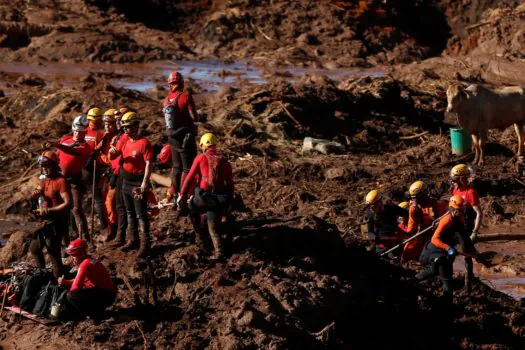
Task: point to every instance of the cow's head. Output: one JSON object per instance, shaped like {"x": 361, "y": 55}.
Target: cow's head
{"x": 454, "y": 94}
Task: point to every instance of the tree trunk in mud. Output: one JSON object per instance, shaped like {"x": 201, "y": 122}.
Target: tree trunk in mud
{"x": 160, "y": 180}
{"x": 501, "y": 237}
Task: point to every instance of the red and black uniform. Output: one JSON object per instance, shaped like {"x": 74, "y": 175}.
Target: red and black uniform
{"x": 181, "y": 134}
{"x": 450, "y": 232}
{"x": 134, "y": 155}
{"x": 93, "y": 138}
{"x": 471, "y": 198}
{"x": 92, "y": 290}
{"x": 215, "y": 191}
{"x": 72, "y": 162}
{"x": 382, "y": 226}
{"x": 57, "y": 225}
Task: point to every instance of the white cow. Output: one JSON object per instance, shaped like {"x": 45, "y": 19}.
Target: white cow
{"x": 479, "y": 109}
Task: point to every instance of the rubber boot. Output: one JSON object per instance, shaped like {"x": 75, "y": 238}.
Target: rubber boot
{"x": 101, "y": 213}
{"x": 469, "y": 275}
{"x": 120, "y": 239}
{"x": 428, "y": 271}
{"x": 200, "y": 239}
{"x": 132, "y": 242}
{"x": 144, "y": 239}
{"x": 216, "y": 240}
{"x": 111, "y": 232}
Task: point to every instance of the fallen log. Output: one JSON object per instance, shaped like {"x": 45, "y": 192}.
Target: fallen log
{"x": 160, "y": 180}
{"x": 500, "y": 237}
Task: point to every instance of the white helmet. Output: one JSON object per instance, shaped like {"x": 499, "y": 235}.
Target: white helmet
{"x": 80, "y": 123}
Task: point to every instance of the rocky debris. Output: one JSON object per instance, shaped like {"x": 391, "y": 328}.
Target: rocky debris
{"x": 323, "y": 146}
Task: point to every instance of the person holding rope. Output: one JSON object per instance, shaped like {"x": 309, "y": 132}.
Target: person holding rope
{"x": 54, "y": 203}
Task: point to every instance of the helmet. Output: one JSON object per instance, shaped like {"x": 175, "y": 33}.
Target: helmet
{"x": 456, "y": 202}
{"x": 175, "y": 78}
{"x": 404, "y": 205}
{"x": 121, "y": 111}
{"x": 94, "y": 113}
{"x": 165, "y": 154}
{"x": 417, "y": 188}
{"x": 77, "y": 246}
{"x": 372, "y": 197}
{"x": 460, "y": 170}
{"x": 80, "y": 123}
{"x": 48, "y": 158}
{"x": 208, "y": 140}
{"x": 109, "y": 115}
{"x": 129, "y": 118}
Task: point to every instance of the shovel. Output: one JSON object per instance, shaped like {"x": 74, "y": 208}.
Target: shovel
{"x": 487, "y": 259}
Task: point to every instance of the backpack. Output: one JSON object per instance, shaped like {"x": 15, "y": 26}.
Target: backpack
{"x": 59, "y": 304}
{"x": 43, "y": 302}
{"x": 31, "y": 287}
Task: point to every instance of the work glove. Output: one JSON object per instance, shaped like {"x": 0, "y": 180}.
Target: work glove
{"x": 180, "y": 201}
{"x": 43, "y": 211}
{"x": 473, "y": 236}
{"x": 452, "y": 252}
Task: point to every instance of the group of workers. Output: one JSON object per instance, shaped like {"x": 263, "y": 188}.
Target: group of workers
{"x": 118, "y": 162}
{"x": 447, "y": 224}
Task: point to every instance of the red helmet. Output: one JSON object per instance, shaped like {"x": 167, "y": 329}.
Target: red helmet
{"x": 175, "y": 78}
{"x": 76, "y": 247}
{"x": 165, "y": 154}
{"x": 48, "y": 158}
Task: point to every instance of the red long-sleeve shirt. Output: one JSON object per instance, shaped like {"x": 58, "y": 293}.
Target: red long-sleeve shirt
{"x": 221, "y": 172}
{"x": 91, "y": 273}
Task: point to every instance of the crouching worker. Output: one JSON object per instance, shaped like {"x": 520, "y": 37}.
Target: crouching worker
{"x": 91, "y": 291}
{"x": 54, "y": 204}
{"x": 439, "y": 254}
{"x": 214, "y": 194}
{"x": 383, "y": 221}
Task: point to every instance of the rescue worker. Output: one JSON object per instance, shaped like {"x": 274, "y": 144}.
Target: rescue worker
{"x": 93, "y": 137}
{"x": 214, "y": 194}
{"x": 105, "y": 165}
{"x": 54, "y": 206}
{"x": 137, "y": 154}
{"x": 403, "y": 221}
{"x": 73, "y": 153}
{"x": 460, "y": 175}
{"x": 91, "y": 291}
{"x": 180, "y": 113}
{"x": 439, "y": 254}
{"x": 382, "y": 221}
{"x": 424, "y": 209}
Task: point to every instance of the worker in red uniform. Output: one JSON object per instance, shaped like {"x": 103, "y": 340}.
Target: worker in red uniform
{"x": 92, "y": 290}
{"x": 73, "y": 153}
{"x": 137, "y": 154}
{"x": 460, "y": 176}
{"x": 180, "y": 113}
{"x": 215, "y": 192}
{"x": 424, "y": 209}
{"x": 54, "y": 204}
{"x": 438, "y": 254}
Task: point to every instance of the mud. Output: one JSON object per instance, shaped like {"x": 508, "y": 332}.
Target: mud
{"x": 265, "y": 75}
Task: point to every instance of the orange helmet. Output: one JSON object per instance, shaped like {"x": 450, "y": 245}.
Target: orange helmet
{"x": 456, "y": 202}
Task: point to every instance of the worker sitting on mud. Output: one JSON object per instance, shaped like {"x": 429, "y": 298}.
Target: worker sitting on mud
{"x": 382, "y": 222}
{"x": 403, "y": 221}
{"x": 73, "y": 153}
{"x": 92, "y": 290}
{"x": 54, "y": 203}
{"x": 180, "y": 113}
{"x": 424, "y": 209}
{"x": 135, "y": 169}
{"x": 460, "y": 176}
{"x": 214, "y": 194}
{"x": 438, "y": 254}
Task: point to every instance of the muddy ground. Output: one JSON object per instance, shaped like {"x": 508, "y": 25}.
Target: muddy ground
{"x": 299, "y": 264}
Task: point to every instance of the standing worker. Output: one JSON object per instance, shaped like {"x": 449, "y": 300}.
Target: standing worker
{"x": 137, "y": 154}
{"x": 180, "y": 113}
{"x": 460, "y": 175}
{"x": 439, "y": 254}
{"x": 73, "y": 153}
{"x": 382, "y": 221}
{"x": 54, "y": 203}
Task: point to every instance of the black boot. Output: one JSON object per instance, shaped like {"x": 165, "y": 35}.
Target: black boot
{"x": 144, "y": 238}
{"x": 430, "y": 270}
{"x": 216, "y": 240}
{"x": 133, "y": 235}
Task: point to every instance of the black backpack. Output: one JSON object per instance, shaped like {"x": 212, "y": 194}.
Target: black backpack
{"x": 43, "y": 303}
{"x": 32, "y": 285}
{"x": 60, "y": 309}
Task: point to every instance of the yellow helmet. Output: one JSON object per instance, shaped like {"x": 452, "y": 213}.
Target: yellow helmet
{"x": 109, "y": 115}
{"x": 94, "y": 114}
{"x": 372, "y": 197}
{"x": 129, "y": 118}
{"x": 208, "y": 140}
{"x": 460, "y": 170}
{"x": 417, "y": 188}
{"x": 456, "y": 202}
{"x": 404, "y": 205}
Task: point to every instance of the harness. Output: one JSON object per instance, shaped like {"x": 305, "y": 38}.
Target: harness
{"x": 214, "y": 169}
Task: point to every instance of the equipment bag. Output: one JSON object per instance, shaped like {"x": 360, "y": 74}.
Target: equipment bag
{"x": 43, "y": 303}
{"x": 31, "y": 288}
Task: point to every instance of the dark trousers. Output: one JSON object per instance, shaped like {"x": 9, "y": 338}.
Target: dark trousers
{"x": 136, "y": 209}
{"x": 78, "y": 217}
{"x": 91, "y": 301}
{"x": 99, "y": 197}
{"x": 214, "y": 204}
{"x": 182, "y": 159}
{"x": 50, "y": 237}
{"x": 437, "y": 263}
{"x": 121, "y": 207}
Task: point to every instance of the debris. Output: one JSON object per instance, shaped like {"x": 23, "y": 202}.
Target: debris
{"x": 323, "y": 146}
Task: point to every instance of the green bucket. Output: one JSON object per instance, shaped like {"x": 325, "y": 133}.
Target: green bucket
{"x": 461, "y": 141}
